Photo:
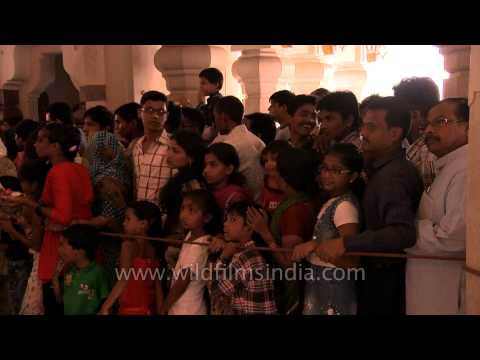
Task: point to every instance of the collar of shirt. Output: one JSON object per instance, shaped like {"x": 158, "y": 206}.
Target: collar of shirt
{"x": 459, "y": 153}
{"x": 377, "y": 164}
{"x": 213, "y": 97}
{"x": 163, "y": 139}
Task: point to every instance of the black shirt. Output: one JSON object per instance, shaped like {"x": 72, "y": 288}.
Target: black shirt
{"x": 207, "y": 109}
{"x": 390, "y": 202}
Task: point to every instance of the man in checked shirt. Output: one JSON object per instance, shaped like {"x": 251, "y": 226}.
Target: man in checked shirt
{"x": 149, "y": 153}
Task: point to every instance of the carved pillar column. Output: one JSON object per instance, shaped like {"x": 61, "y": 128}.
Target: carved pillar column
{"x": 457, "y": 63}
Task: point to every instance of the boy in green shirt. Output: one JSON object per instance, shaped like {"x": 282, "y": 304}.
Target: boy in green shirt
{"x": 85, "y": 286}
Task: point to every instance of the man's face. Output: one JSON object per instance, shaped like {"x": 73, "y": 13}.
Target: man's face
{"x": 333, "y": 126}
{"x": 153, "y": 115}
{"x": 277, "y": 111}
{"x": 304, "y": 120}
{"x": 207, "y": 88}
{"x": 220, "y": 122}
{"x": 377, "y": 137}
{"x": 123, "y": 128}
{"x": 445, "y": 132}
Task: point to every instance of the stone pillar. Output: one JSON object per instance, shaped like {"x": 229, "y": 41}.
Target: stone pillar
{"x": 258, "y": 70}
{"x": 309, "y": 73}
{"x": 86, "y": 66}
{"x": 472, "y": 295}
{"x": 457, "y": 62}
{"x": 181, "y": 64}
{"x": 118, "y": 75}
{"x": 350, "y": 76}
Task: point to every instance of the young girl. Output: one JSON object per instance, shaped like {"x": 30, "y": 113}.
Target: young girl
{"x": 138, "y": 296}
{"x": 339, "y": 176}
{"x": 271, "y": 195}
{"x": 200, "y": 216}
{"x": 222, "y": 176}
{"x": 291, "y": 223}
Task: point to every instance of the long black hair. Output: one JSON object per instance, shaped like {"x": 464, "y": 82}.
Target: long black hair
{"x": 297, "y": 168}
{"x": 227, "y": 155}
{"x": 351, "y": 158}
{"x": 67, "y": 136}
{"x": 171, "y": 194}
{"x": 145, "y": 210}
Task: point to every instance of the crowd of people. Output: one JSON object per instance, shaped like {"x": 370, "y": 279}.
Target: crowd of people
{"x": 206, "y": 203}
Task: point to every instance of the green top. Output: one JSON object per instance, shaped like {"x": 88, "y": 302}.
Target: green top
{"x": 84, "y": 290}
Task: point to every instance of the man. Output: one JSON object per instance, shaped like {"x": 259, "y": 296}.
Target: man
{"x": 389, "y": 204}
{"x": 78, "y": 112}
{"x": 228, "y": 114}
{"x": 279, "y": 110}
{"x": 128, "y": 125}
{"x": 303, "y": 119}
{"x": 434, "y": 287}
{"x": 149, "y": 153}
{"x": 420, "y": 94}
{"x": 340, "y": 120}
{"x": 211, "y": 82}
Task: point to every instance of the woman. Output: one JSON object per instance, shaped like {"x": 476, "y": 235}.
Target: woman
{"x": 67, "y": 196}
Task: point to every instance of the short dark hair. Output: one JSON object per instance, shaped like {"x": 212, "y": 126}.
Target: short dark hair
{"x": 320, "y": 93}
{"x": 262, "y": 125}
{"x": 282, "y": 97}
{"x": 397, "y": 113}
{"x": 174, "y": 117}
{"x": 274, "y": 148}
{"x": 297, "y": 168}
{"x": 153, "y": 95}
{"x": 232, "y": 107}
{"x": 419, "y": 93}
{"x": 102, "y": 116}
{"x": 343, "y": 102}
{"x": 462, "y": 110}
{"x": 60, "y": 111}
{"x": 227, "y": 155}
{"x": 129, "y": 112}
{"x": 240, "y": 208}
{"x": 205, "y": 200}
{"x": 82, "y": 237}
{"x": 195, "y": 116}
{"x": 363, "y": 107}
{"x": 213, "y": 76}
{"x": 299, "y": 101}
{"x": 25, "y": 128}
{"x": 148, "y": 211}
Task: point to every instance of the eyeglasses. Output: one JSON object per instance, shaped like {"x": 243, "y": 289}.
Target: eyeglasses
{"x": 151, "y": 111}
{"x": 441, "y": 121}
{"x": 336, "y": 172}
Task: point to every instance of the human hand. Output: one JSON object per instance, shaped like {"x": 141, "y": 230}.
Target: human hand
{"x": 230, "y": 249}
{"x": 301, "y": 251}
{"x": 330, "y": 250}
{"x": 257, "y": 220}
{"x": 216, "y": 245}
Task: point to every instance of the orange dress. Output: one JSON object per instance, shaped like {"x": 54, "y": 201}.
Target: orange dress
{"x": 139, "y": 296}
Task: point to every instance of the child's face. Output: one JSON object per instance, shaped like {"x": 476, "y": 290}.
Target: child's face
{"x": 333, "y": 176}
{"x": 207, "y": 88}
{"x": 133, "y": 225}
{"x": 66, "y": 252}
{"x": 215, "y": 172}
{"x": 29, "y": 188}
{"x": 191, "y": 216}
{"x": 176, "y": 156}
{"x": 333, "y": 125}
{"x": 270, "y": 164}
{"x": 235, "y": 228}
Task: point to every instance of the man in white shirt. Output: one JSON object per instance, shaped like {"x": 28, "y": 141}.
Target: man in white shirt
{"x": 228, "y": 114}
{"x": 433, "y": 286}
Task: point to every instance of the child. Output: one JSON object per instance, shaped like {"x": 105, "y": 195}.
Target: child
{"x": 138, "y": 295}
{"x": 339, "y": 175}
{"x": 199, "y": 215}
{"x": 271, "y": 195}
{"x": 241, "y": 273}
{"x": 85, "y": 283}
{"x": 222, "y": 176}
{"x": 211, "y": 82}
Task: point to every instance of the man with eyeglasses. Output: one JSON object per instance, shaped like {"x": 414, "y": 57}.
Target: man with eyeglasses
{"x": 435, "y": 287}
{"x": 149, "y": 153}
{"x": 389, "y": 205}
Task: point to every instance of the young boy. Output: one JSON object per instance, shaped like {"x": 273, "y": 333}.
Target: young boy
{"x": 85, "y": 283}
{"x": 241, "y": 273}
{"x": 211, "y": 82}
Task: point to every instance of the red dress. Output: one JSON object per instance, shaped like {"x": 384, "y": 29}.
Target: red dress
{"x": 270, "y": 198}
{"x": 68, "y": 192}
{"x": 139, "y": 296}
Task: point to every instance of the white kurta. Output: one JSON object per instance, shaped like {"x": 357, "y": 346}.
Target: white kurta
{"x": 435, "y": 287}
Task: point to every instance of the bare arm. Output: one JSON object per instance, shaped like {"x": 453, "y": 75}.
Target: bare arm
{"x": 178, "y": 288}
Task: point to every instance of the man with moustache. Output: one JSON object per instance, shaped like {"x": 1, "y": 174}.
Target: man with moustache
{"x": 303, "y": 115}
{"x": 434, "y": 287}
{"x": 149, "y": 153}
{"x": 389, "y": 205}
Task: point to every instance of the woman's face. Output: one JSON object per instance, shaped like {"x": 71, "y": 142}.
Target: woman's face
{"x": 176, "y": 156}
{"x": 90, "y": 128}
{"x": 215, "y": 171}
{"x": 42, "y": 145}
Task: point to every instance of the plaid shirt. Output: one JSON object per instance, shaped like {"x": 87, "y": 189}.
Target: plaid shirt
{"x": 151, "y": 169}
{"x": 246, "y": 282}
{"x": 352, "y": 138}
{"x": 423, "y": 160}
